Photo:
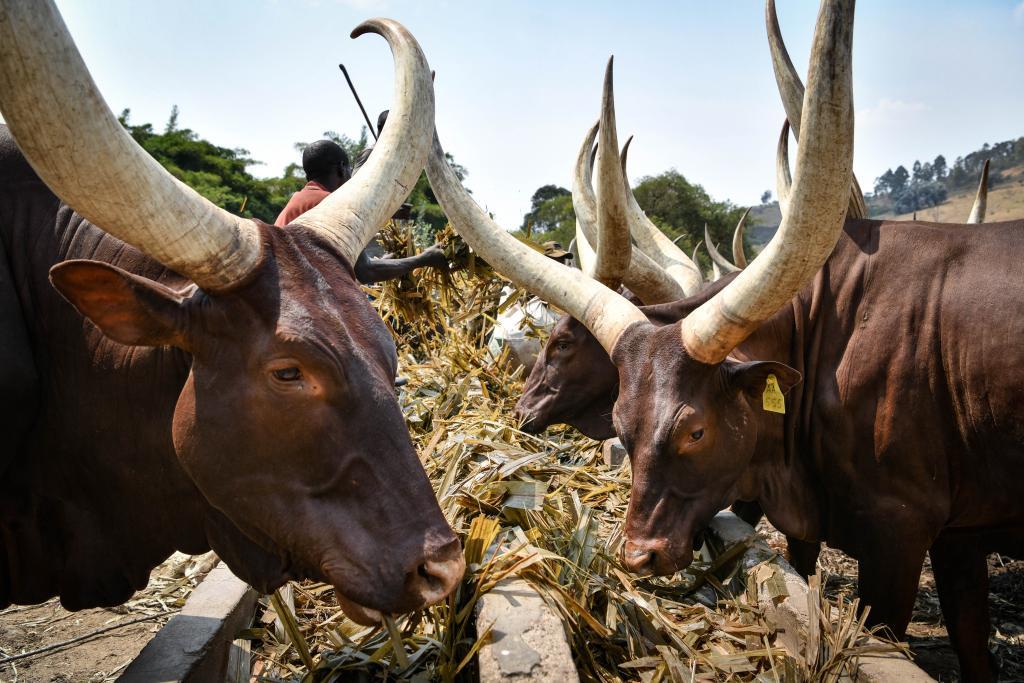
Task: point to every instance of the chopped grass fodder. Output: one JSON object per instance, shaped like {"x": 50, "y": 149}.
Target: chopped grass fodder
{"x": 542, "y": 508}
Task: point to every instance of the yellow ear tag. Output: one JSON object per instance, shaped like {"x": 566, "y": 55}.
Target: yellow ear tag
{"x": 774, "y": 401}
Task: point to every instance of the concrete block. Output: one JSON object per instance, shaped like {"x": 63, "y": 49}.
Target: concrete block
{"x": 790, "y": 614}
{"x": 195, "y": 644}
{"x": 614, "y": 453}
{"x": 527, "y": 640}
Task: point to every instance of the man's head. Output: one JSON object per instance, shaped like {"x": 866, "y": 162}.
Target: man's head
{"x": 325, "y": 162}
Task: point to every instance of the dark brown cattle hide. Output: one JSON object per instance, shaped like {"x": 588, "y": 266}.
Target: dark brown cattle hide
{"x": 284, "y": 479}
{"x": 904, "y": 423}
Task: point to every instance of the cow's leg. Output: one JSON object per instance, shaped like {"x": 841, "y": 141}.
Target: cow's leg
{"x": 803, "y": 555}
{"x": 887, "y": 583}
{"x": 961, "y": 577}
{"x": 748, "y": 510}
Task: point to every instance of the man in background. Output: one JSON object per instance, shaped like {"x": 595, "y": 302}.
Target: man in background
{"x": 327, "y": 168}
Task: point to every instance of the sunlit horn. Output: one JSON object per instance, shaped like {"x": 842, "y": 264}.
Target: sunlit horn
{"x": 818, "y": 202}
{"x": 738, "y": 257}
{"x": 78, "y": 147}
{"x": 644, "y": 277}
{"x": 791, "y": 89}
{"x": 716, "y": 257}
{"x": 351, "y": 215}
{"x": 605, "y": 313}
{"x": 655, "y": 243}
{"x": 981, "y": 198}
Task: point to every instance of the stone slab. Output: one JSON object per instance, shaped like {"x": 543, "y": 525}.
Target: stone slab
{"x": 195, "y": 644}
{"x": 790, "y": 614}
{"x": 527, "y": 640}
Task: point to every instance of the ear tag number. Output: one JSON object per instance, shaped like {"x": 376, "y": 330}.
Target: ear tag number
{"x": 774, "y": 401}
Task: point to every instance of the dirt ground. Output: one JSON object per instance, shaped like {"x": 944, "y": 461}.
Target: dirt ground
{"x": 99, "y": 659}
{"x": 100, "y": 656}
{"x": 927, "y": 633}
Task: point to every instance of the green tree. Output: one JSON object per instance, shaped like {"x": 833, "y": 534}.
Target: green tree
{"x": 217, "y": 173}
{"x": 532, "y": 221}
{"x": 427, "y": 212}
{"x": 553, "y": 220}
{"x": 900, "y": 177}
{"x": 681, "y": 209}
{"x": 884, "y": 182}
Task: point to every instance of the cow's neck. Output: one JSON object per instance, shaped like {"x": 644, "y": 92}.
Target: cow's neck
{"x": 781, "y": 476}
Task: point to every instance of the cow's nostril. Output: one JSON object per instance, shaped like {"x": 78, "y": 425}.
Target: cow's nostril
{"x": 639, "y": 561}
{"x": 437, "y": 577}
{"x": 429, "y": 584}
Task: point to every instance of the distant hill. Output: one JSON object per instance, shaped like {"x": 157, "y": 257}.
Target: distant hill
{"x": 1005, "y": 202}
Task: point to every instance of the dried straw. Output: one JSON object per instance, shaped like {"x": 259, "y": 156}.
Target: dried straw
{"x": 544, "y": 508}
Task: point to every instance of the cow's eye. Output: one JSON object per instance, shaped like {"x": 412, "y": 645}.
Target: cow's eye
{"x": 562, "y": 346}
{"x": 697, "y": 435}
{"x": 288, "y": 374}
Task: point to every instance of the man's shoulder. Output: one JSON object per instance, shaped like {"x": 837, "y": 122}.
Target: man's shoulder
{"x": 301, "y": 202}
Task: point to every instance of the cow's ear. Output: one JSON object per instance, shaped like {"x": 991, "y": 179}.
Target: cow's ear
{"x": 752, "y": 377}
{"x": 129, "y": 309}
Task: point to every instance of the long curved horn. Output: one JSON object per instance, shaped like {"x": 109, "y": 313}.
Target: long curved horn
{"x": 603, "y": 267}
{"x": 981, "y": 198}
{"x": 783, "y": 179}
{"x": 575, "y": 251}
{"x": 738, "y": 257}
{"x": 643, "y": 277}
{"x": 585, "y": 252}
{"x": 693, "y": 258}
{"x": 818, "y": 202}
{"x": 716, "y": 258}
{"x": 614, "y": 245}
{"x": 351, "y": 215}
{"x": 791, "y": 89}
{"x": 605, "y": 313}
{"x": 655, "y": 243}
{"x": 716, "y": 272}
{"x": 81, "y": 151}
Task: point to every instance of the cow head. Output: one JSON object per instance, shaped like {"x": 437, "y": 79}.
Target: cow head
{"x": 685, "y": 409}
{"x": 288, "y": 423}
{"x": 573, "y": 382}
{"x": 690, "y": 429}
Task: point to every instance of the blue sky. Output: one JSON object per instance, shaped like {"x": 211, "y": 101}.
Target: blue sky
{"x": 518, "y": 83}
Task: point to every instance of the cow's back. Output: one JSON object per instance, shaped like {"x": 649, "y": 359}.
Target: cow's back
{"x": 917, "y": 370}
{"x": 92, "y": 495}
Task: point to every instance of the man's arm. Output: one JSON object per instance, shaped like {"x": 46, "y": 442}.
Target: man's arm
{"x": 370, "y": 270}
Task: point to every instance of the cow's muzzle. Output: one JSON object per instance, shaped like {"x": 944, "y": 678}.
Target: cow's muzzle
{"x": 655, "y": 557}
{"x": 438, "y": 574}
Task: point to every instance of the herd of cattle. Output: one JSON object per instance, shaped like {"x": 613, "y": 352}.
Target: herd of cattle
{"x": 175, "y": 377}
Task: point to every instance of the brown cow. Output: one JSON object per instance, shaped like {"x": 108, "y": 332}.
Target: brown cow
{"x": 209, "y": 381}
{"x": 906, "y": 434}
